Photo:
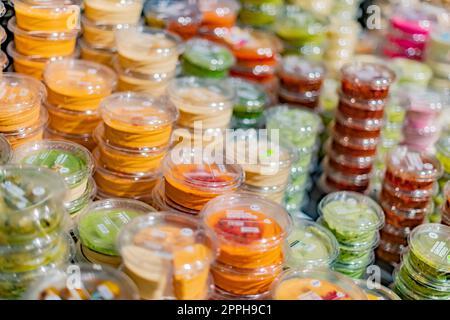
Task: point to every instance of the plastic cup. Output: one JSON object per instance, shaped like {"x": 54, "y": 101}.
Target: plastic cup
{"x": 86, "y": 140}
{"x": 219, "y": 13}
{"x": 102, "y": 56}
{"x": 78, "y": 205}
{"x": 113, "y": 12}
{"x": 298, "y": 75}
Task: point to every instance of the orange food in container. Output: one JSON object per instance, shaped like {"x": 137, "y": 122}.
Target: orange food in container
{"x": 28, "y": 134}
{"x": 219, "y": 13}
{"x": 98, "y": 55}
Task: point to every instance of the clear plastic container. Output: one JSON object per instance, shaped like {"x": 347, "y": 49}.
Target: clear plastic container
{"x": 361, "y": 109}
{"x": 407, "y": 217}
{"x": 192, "y": 179}
{"x": 2, "y": 35}
{"x": 251, "y": 230}
{"x": 349, "y": 182}
{"x": 349, "y": 164}
{"x": 309, "y": 100}
{"x": 415, "y": 199}
{"x": 148, "y": 51}
{"x": 275, "y": 193}
{"x": 299, "y": 75}
{"x": 357, "y": 128}
{"x": 423, "y": 107}
{"x": 304, "y": 284}
{"x": 32, "y": 206}
{"x": 96, "y": 283}
{"x": 73, "y": 162}
{"x": 86, "y": 140}
{"x": 439, "y": 46}
{"x": 355, "y": 269}
{"x": 41, "y": 43}
{"x": 24, "y": 135}
{"x": 411, "y": 72}
{"x": 206, "y": 100}
{"x": 78, "y": 205}
{"x": 260, "y": 15}
{"x": 219, "y": 13}
{"x": 168, "y": 255}
{"x": 219, "y": 294}
{"x": 113, "y": 12}
{"x": 5, "y": 150}
{"x": 105, "y": 57}
{"x": 137, "y": 120}
{"x": 50, "y": 16}
{"x": 78, "y": 85}
{"x": 162, "y": 203}
{"x": 310, "y": 245}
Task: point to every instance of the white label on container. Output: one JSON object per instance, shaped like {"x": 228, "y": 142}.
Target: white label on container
{"x": 103, "y": 229}
{"x": 316, "y": 283}
{"x": 240, "y": 214}
{"x": 440, "y": 249}
{"x": 250, "y": 230}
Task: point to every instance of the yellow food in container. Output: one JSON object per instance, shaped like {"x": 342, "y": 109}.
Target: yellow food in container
{"x": 30, "y": 134}
{"x": 113, "y": 11}
{"x": 101, "y": 56}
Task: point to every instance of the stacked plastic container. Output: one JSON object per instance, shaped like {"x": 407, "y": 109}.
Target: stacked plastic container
{"x": 251, "y": 233}
{"x": 260, "y": 13}
{"x": 355, "y": 220}
{"x": 43, "y": 31}
{"x": 75, "y": 89}
{"x": 100, "y": 21}
{"x": 300, "y": 81}
{"x": 33, "y": 240}
{"x": 218, "y": 16}
{"x": 132, "y": 141}
{"x": 423, "y": 274}
{"x": 299, "y": 131}
{"x": 3, "y": 58}
{"x": 23, "y": 116}
{"x": 406, "y": 197}
{"x": 357, "y": 126}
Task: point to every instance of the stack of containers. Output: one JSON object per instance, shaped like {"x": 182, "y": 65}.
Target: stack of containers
{"x": 23, "y": 118}
{"x": 131, "y": 142}
{"x": 3, "y": 58}
{"x": 43, "y": 31}
{"x": 443, "y": 155}
{"x": 251, "y": 233}
{"x": 191, "y": 179}
{"x": 168, "y": 256}
{"x": 345, "y": 9}
{"x": 101, "y": 19}
{"x": 301, "y": 33}
{"x": 33, "y": 240}
{"x": 218, "y": 16}
{"x": 355, "y": 220}
{"x": 257, "y": 56}
{"x": 357, "y": 127}
{"x": 300, "y": 81}
{"x": 146, "y": 59}
{"x": 260, "y": 13}
{"x": 75, "y": 89}
{"x": 299, "y": 131}
{"x": 406, "y": 197}
{"x": 73, "y": 162}
{"x": 446, "y": 206}
{"x": 424, "y": 271}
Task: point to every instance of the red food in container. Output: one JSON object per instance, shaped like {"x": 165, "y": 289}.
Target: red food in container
{"x": 339, "y": 181}
{"x": 361, "y": 109}
{"x": 358, "y": 128}
{"x": 354, "y": 147}
{"x": 309, "y": 100}
{"x": 347, "y": 164}
{"x": 417, "y": 199}
{"x": 390, "y": 252}
{"x": 406, "y": 218}
{"x": 395, "y": 235}
{"x": 300, "y": 75}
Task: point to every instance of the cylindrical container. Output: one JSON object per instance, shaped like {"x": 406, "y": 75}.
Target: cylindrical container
{"x": 97, "y": 55}
{"x": 218, "y": 13}
{"x": 86, "y": 140}
{"x": 78, "y": 205}
{"x": 29, "y": 134}
{"x": 113, "y": 12}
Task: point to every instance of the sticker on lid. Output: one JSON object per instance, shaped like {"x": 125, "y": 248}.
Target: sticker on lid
{"x": 73, "y": 21}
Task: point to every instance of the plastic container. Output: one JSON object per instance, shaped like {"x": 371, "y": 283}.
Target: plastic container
{"x": 446, "y": 205}
{"x": 50, "y": 16}
{"x": 357, "y": 128}
{"x": 423, "y": 107}
{"x": 310, "y": 245}
{"x": 162, "y": 203}
{"x": 219, "y": 294}
{"x": 96, "y": 283}
{"x": 304, "y": 284}
{"x": 78, "y": 205}
{"x": 411, "y": 72}
{"x": 275, "y": 193}
{"x": 348, "y": 164}
{"x": 360, "y": 109}
{"x": 408, "y": 217}
{"x": 301, "y": 76}
{"x": 185, "y": 21}
{"x": 147, "y": 51}
{"x": 107, "y": 12}
{"x": 86, "y": 140}
{"x": 159, "y": 14}
{"x": 309, "y": 100}
{"x": 376, "y": 291}
{"x": 206, "y": 100}
{"x": 353, "y": 218}
{"x": 260, "y": 15}
{"x": 25, "y": 135}
{"x": 73, "y": 162}
{"x": 137, "y": 120}
{"x": 41, "y": 43}
{"x": 218, "y": 13}
{"x": 439, "y": 46}
{"x": 206, "y": 59}
{"x": 356, "y": 269}
{"x": 168, "y": 255}
{"x": 102, "y": 56}
{"x": 78, "y": 85}
{"x": 192, "y": 179}
{"x": 416, "y": 199}
{"x": 251, "y": 230}
{"x": 339, "y": 181}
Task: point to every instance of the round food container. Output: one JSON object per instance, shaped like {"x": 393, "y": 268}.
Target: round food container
{"x": 98, "y": 55}
{"x": 168, "y": 256}
{"x": 298, "y": 75}
{"x": 29, "y": 134}
{"x": 76, "y": 206}
{"x": 86, "y": 140}
{"x": 275, "y": 193}
{"x": 376, "y": 291}
{"x": 113, "y": 12}
{"x": 219, "y": 13}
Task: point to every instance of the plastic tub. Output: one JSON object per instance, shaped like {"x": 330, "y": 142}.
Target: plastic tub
{"x": 348, "y": 182}
{"x": 219, "y": 13}
{"x": 76, "y": 206}
{"x": 168, "y": 255}
{"x": 185, "y": 21}
{"x": 439, "y": 46}
{"x": 102, "y": 56}
{"x": 408, "y": 217}
{"x": 260, "y": 15}
{"x": 116, "y": 12}
{"x": 86, "y": 140}
{"x": 299, "y": 75}
{"x": 137, "y": 120}
{"x": 415, "y": 199}
{"x": 309, "y": 100}
{"x": 275, "y": 193}
{"x": 78, "y": 85}
{"x": 41, "y": 43}
{"x": 355, "y": 270}
{"x": 361, "y": 109}
{"x": 206, "y": 100}
{"x": 33, "y": 133}
{"x": 251, "y": 230}
{"x": 162, "y": 203}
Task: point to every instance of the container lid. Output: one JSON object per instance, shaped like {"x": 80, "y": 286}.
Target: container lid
{"x": 190, "y": 166}
{"x": 133, "y": 109}
{"x": 5, "y": 150}
{"x": 431, "y": 244}
{"x": 69, "y": 76}
{"x": 310, "y": 244}
{"x": 159, "y": 77}
{"x": 20, "y": 92}
{"x": 351, "y": 211}
{"x": 167, "y": 9}
{"x": 302, "y": 68}
{"x": 368, "y": 124}
{"x": 206, "y": 93}
{"x": 371, "y": 105}
{"x": 12, "y": 52}
{"x": 246, "y": 220}
{"x": 353, "y": 142}
{"x": 299, "y": 121}
{"x": 419, "y": 166}
{"x": 250, "y": 95}
{"x": 295, "y": 23}
{"x": 96, "y": 282}
{"x": 72, "y": 161}
{"x": 221, "y": 7}
{"x": 167, "y": 236}
{"x": 99, "y": 225}
{"x": 368, "y": 74}
{"x": 305, "y": 284}
{"x": 209, "y": 55}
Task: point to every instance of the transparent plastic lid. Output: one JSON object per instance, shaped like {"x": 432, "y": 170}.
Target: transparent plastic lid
{"x": 310, "y": 244}
{"x": 301, "y": 68}
{"x": 250, "y": 95}
{"x": 209, "y": 55}
{"x": 373, "y": 75}
{"x": 376, "y": 291}
{"x": 96, "y": 282}
{"x": 167, "y": 9}
{"x": 295, "y": 23}
{"x": 71, "y": 77}
{"x": 305, "y": 284}
{"x": 47, "y": 35}
{"x": 5, "y": 150}
{"x": 72, "y": 161}
{"x": 167, "y": 236}
{"x": 20, "y": 92}
{"x": 221, "y": 7}
{"x": 431, "y": 244}
{"x": 246, "y": 220}
{"x": 138, "y": 110}
{"x": 351, "y": 211}
{"x": 291, "y": 118}
{"x": 99, "y": 225}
